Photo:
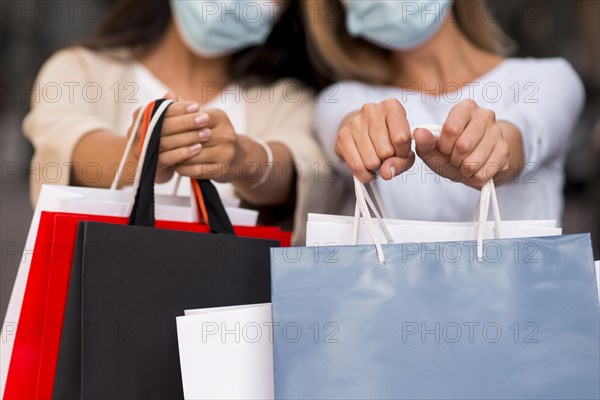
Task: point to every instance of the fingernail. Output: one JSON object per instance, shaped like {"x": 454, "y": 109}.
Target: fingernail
{"x": 204, "y": 133}
{"x": 195, "y": 149}
{"x": 201, "y": 119}
{"x": 393, "y": 169}
{"x": 194, "y": 107}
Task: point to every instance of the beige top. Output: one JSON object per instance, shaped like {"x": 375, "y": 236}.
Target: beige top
{"x": 78, "y": 91}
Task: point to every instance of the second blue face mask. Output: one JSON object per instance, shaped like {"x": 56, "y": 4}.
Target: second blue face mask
{"x": 396, "y": 24}
{"x": 217, "y": 28}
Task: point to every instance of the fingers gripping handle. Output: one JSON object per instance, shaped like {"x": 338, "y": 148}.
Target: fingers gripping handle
{"x": 488, "y": 194}
{"x": 364, "y": 205}
{"x": 142, "y": 209}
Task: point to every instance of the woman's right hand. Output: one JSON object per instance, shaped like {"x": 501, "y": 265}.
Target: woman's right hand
{"x": 183, "y": 132}
{"x": 376, "y": 138}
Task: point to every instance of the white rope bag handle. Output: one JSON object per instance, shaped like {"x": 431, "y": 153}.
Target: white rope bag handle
{"x": 364, "y": 206}
{"x": 138, "y": 173}
{"x": 130, "y": 140}
{"x": 488, "y": 194}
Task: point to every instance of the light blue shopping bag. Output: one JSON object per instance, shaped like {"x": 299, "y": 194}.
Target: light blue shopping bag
{"x": 434, "y": 322}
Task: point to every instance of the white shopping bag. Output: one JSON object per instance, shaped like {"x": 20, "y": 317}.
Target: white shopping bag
{"x": 169, "y": 208}
{"x": 227, "y": 352}
{"x": 324, "y": 229}
{"x": 329, "y": 229}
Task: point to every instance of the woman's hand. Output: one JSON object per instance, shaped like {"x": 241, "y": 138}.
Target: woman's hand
{"x": 377, "y": 138}
{"x": 472, "y": 147}
{"x": 183, "y": 133}
{"x": 225, "y": 155}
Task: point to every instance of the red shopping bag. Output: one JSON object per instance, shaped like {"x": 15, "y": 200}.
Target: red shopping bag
{"x": 35, "y": 352}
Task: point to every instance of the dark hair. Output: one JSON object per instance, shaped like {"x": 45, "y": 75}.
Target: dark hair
{"x": 139, "y": 26}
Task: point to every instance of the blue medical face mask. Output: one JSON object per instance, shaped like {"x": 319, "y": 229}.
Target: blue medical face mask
{"x": 218, "y": 28}
{"x": 396, "y": 24}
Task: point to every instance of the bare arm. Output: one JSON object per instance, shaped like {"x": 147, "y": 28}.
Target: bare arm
{"x": 278, "y": 188}
{"x": 96, "y": 157}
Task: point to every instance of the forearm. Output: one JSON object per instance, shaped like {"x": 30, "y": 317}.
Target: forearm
{"x": 513, "y": 137}
{"x": 96, "y": 157}
{"x": 277, "y": 189}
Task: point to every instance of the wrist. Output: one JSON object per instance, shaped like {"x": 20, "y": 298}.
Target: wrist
{"x": 251, "y": 161}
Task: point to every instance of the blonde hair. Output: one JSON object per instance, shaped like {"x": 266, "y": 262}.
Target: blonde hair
{"x": 342, "y": 57}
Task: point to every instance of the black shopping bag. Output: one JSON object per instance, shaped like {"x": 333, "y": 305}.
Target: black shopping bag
{"x": 128, "y": 284}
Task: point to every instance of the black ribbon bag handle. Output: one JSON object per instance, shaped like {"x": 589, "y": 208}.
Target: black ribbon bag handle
{"x": 143, "y": 211}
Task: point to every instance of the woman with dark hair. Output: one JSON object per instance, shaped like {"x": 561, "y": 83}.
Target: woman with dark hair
{"x": 221, "y": 61}
{"x": 406, "y": 64}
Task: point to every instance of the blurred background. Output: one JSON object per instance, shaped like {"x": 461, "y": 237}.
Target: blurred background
{"x": 31, "y": 30}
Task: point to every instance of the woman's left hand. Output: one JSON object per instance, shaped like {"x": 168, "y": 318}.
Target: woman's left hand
{"x": 472, "y": 147}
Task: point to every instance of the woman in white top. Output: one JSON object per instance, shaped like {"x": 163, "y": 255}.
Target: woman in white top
{"x": 227, "y": 61}
{"x": 403, "y": 64}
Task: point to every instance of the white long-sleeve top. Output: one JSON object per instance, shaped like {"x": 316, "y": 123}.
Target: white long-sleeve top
{"x": 542, "y": 97}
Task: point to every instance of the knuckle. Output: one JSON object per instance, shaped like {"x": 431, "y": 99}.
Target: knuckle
{"x": 386, "y": 152}
{"x": 355, "y": 166}
{"x": 183, "y": 153}
{"x": 368, "y": 109}
{"x": 187, "y": 123}
{"x": 452, "y": 129}
{"x": 364, "y": 177}
{"x": 463, "y": 145}
{"x": 487, "y": 114}
{"x": 344, "y": 134}
{"x": 401, "y": 137}
{"x": 469, "y": 166}
{"x": 455, "y": 160}
{"x": 480, "y": 179}
{"x": 392, "y": 103}
{"x": 468, "y": 104}
{"x": 356, "y": 122}
{"x": 466, "y": 170}
{"x": 372, "y": 164}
